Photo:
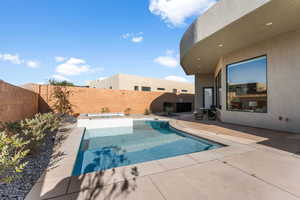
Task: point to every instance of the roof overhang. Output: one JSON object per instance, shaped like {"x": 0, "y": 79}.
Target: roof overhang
{"x": 231, "y": 25}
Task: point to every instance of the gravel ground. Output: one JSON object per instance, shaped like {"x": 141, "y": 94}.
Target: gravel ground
{"x": 18, "y": 189}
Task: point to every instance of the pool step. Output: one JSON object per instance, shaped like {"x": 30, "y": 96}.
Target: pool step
{"x": 131, "y": 142}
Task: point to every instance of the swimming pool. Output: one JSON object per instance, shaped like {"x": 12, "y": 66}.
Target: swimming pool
{"x": 145, "y": 140}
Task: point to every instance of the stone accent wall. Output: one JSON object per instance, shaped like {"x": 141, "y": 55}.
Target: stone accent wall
{"x": 91, "y": 100}
{"x": 16, "y": 103}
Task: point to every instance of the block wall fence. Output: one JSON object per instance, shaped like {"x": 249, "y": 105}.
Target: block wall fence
{"x": 16, "y": 103}
{"x": 91, "y": 100}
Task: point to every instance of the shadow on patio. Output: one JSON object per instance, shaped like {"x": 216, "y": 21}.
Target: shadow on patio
{"x": 285, "y": 141}
{"x": 105, "y": 185}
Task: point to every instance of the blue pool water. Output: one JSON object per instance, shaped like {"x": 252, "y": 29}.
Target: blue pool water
{"x": 107, "y": 148}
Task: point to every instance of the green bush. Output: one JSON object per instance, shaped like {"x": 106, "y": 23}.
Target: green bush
{"x": 35, "y": 129}
{"x": 18, "y": 139}
{"x": 169, "y": 110}
{"x": 127, "y": 111}
{"x": 147, "y": 112}
{"x": 60, "y": 83}
{"x": 12, "y": 153}
{"x": 105, "y": 110}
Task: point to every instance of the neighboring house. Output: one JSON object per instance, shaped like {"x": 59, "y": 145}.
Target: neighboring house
{"x": 245, "y": 55}
{"x": 138, "y": 83}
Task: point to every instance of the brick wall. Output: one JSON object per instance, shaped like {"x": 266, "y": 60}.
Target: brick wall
{"x": 91, "y": 100}
{"x": 16, "y": 103}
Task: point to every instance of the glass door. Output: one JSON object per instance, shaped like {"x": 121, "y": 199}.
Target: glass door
{"x": 208, "y": 97}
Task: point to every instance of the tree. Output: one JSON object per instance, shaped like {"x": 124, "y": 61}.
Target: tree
{"x": 60, "y": 83}
{"x": 61, "y": 97}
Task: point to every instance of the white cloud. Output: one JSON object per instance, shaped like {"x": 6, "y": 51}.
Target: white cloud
{"x": 32, "y": 64}
{"x": 169, "y": 52}
{"x": 169, "y": 60}
{"x": 75, "y": 66}
{"x": 75, "y": 61}
{"x": 126, "y": 35}
{"x": 60, "y": 77}
{"x": 71, "y": 69}
{"x": 176, "y": 78}
{"x": 17, "y": 60}
{"x": 175, "y": 12}
{"x": 134, "y": 37}
{"x": 137, "y": 39}
{"x": 14, "y": 59}
{"x": 102, "y": 78}
{"x": 60, "y": 59}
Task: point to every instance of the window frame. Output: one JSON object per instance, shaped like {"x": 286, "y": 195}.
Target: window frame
{"x": 267, "y": 81}
{"x": 217, "y": 96}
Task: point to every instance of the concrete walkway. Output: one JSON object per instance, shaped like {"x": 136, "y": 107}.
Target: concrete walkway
{"x": 244, "y": 169}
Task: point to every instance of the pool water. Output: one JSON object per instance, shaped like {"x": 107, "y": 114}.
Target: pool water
{"x": 107, "y": 148}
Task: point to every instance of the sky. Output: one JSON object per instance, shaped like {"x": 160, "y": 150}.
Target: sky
{"x": 251, "y": 71}
{"x": 80, "y": 40}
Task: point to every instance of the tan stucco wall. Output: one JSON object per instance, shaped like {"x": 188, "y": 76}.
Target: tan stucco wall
{"x": 112, "y": 82}
{"x": 127, "y": 82}
{"x": 91, "y": 100}
{"x": 283, "y": 71}
{"x": 16, "y": 103}
{"x": 216, "y": 18}
{"x": 231, "y": 25}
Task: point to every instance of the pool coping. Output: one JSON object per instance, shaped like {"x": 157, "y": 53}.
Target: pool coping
{"x": 59, "y": 181}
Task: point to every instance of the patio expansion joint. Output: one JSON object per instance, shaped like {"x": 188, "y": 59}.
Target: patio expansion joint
{"x": 258, "y": 178}
{"x": 157, "y": 187}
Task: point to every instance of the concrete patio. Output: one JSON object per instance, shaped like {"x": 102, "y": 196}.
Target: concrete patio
{"x": 256, "y": 164}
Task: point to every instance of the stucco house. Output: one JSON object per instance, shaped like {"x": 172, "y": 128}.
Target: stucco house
{"x": 245, "y": 56}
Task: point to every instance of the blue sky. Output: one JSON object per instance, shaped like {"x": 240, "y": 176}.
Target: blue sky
{"x": 251, "y": 71}
{"x": 81, "y": 40}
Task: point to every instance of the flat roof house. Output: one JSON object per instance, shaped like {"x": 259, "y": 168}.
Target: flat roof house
{"x": 139, "y": 83}
{"x": 245, "y": 55}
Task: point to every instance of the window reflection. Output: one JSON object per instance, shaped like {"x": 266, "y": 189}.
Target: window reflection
{"x": 247, "y": 86}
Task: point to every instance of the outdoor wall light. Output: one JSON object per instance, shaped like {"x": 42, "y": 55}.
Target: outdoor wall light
{"x": 269, "y": 24}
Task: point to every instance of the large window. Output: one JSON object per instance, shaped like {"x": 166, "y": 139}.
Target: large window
{"x": 247, "y": 85}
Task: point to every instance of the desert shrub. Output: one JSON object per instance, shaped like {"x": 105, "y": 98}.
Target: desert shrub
{"x": 18, "y": 139}
{"x": 127, "y": 111}
{"x": 169, "y": 110}
{"x": 50, "y": 120}
{"x": 105, "y": 110}
{"x": 61, "y": 102}
{"x": 10, "y": 127}
{"x": 35, "y": 129}
{"x": 147, "y": 112}
{"x": 13, "y": 150}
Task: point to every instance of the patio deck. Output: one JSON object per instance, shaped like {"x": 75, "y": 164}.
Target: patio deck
{"x": 257, "y": 164}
